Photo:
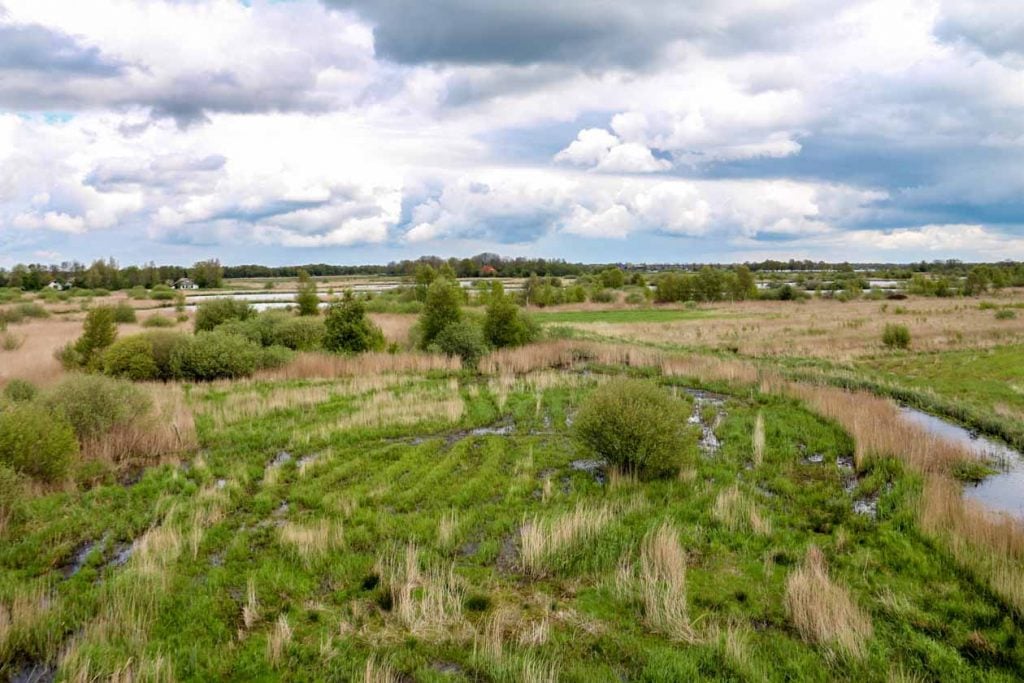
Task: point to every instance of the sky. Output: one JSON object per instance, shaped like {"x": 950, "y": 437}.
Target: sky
{"x": 364, "y": 131}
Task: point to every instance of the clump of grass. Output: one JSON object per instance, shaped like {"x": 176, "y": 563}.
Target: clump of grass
{"x": 737, "y": 513}
{"x": 427, "y": 602}
{"x": 896, "y": 336}
{"x": 447, "y": 529}
{"x": 312, "y": 541}
{"x": 251, "y": 608}
{"x": 278, "y": 639}
{"x": 541, "y": 539}
{"x": 379, "y": 672}
{"x": 823, "y": 611}
{"x": 661, "y": 583}
{"x": 758, "y": 440}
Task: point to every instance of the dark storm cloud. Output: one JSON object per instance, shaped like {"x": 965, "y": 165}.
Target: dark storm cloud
{"x": 38, "y": 49}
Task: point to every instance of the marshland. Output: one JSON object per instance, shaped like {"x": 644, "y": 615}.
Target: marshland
{"x": 586, "y": 474}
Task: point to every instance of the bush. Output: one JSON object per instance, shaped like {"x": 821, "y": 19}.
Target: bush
{"x": 98, "y": 332}
{"x": 131, "y": 358}
{"x": 464, "y": 339}
{"x": 896, "y": 336}
{"x": 635, "y": 425}
{"x": 275, "y": 356}
{"x": 1006, "y": 314}
{"x": 31, "y": 310}
{"x": 441, "y": 309}
{"x": 138, "y": 292}
{"x": 11, "y": 490}
{"x": 36, "y": 443}
{"x": 124, "y": 313}
{"x": 163, "y": 343}
{"x": 505, "y": 324}
{"x": 157, "y": 321}
{"x": 94, "y": 404}
{"x": 210, "y": 314}
{"x": 348, "y": 330}
{"x": 300, "y": 334}
{"x": 20, "y": 390}
{"x": 306, "y": 298}
{"x": 214, "y": 355}
{"x": 602, "y": 296}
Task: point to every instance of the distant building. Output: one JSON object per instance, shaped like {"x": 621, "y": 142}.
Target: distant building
{"x": 488, "y": 271}
{"x": 185, "y": 283}
{"x": 58, "y": 286}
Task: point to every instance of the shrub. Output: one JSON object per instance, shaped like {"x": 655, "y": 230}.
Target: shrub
{"x": 138, "y": 292}
{"x": 31, "y": 310}
{"x": 10, "y": 341}
{"x": 1006, "y": 314}
{"x": 306, "y": 298}
{"x": 210, "y": 314}
{"x": 131, "y": 358}
{"x": 94, "y": 404}
{"x": 124, "y": 313}
{"x": 348, "y": 330}
{"x": 35, "y": 442}
{"x": 300, "y": 334}
{"x": 98, "y": 332}
{"x": 163, "y": 343}
{"x": 441, "y": 309}
{"x": 464, "y": 339}
{"x": 635, "y": 425}
{"x": 896, "y": 336}
{"x": 505, "y": 324}
{"x": 157, "y": 321}
{"x": 11, "y": 490}
{"x": 214, "y": 355}
{"x": 20, "y": 390}
{"x": 275, "y": 356}
{"x": 602, "y": 296}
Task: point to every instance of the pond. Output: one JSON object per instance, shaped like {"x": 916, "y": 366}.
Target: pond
{"x": 1003, "y": 491}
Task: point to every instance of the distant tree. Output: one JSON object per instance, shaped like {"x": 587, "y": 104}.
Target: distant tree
{"x": 441, "y": 309}
{"x": 306, "y": 298}
{"x": 348, "y": 330}
{"x": 613, "y": 278}
{"x": 745, "y": 286}
{"x": 207, "y": 274}
{"x": 425, "y": 275}
{"x": 98, "y": 332}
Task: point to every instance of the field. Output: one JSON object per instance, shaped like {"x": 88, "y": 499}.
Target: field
{"x": 397, "y": 517}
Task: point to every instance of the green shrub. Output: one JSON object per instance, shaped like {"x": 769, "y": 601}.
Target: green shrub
{"x": 210, "y": 314}
{"x": 94, "y": 404}
{"x": 464, "y": 339}
{"x": 124, "y": 313}
{"x": 10, "y": 341}
{"x": 1006, "y": 314}
{"x": 348, "y": 330}
{"x": 20, "y": 390}
{"x": 306, "y": 298}
{"x": 158, "y": 321}
{"x": 602, "y": 296}
{"x": 98, "y": 332}
{"x": 138, "y": 292}
{"x": 215, "y": 355}
{"x": 300, "y": 334}
{"x": 441, "y": 309}
{"x": 275, "y": 356}
{"x": 635, "y": 425}
{"x": 896, "y": 336}
{"x": 35, "y": 442}
{"x": 11, "y": 491}
{"x": 31, "y": 310}
{"x": 505, "y": 324}
{"x": 131, "y": 358}
{"x": 161, "y": 293}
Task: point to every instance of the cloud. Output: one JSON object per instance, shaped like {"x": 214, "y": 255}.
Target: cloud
{"x": 598, "y": 149}
{"x": 33, "y": 48}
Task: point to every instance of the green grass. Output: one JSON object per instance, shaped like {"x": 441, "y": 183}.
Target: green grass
{"x": 391, "y": 484}
{"x": 623, "y": 316}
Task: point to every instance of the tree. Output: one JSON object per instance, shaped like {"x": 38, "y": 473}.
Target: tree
{"x": 207, "y": 274}
{"x": 505, "y": 324}
{"x": 441, "y": 309}
{"x": 98, "y": 332}
{"x": 425, "y": 276}
{"x": 613, "y": 278}
{"x": 745, "y": 286}
{"x": 463, "y": 339}
{"x": 307, "y": 299}
{"x": 348, "y": 330}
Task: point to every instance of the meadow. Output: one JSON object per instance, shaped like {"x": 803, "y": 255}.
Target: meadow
{"x": 407, "y": 516}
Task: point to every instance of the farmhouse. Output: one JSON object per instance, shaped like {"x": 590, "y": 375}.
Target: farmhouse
{"x": 185, "y": 283}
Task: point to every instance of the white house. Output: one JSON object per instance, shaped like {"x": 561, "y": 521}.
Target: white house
{"x": 58, "y": 286}
{"x": 185, "y": 283}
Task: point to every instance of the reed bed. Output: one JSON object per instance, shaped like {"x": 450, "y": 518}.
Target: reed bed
{"x": 325, "y": 366}
{"x": 164, "y": 433}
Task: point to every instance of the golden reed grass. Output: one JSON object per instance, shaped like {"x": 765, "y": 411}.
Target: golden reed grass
{"x": 540, "y": 539}
{"x": 312, "y": 541}
{"x": 167, "y": 431}
{"x": 324, "y": 365}
{"x": 823, "y": 611}
{"x": 659, "y": 583}
{"x": 427, "y": 602}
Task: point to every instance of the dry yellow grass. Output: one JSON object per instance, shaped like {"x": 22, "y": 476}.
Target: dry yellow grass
{"x": 34, "y": 360}
{"x": 427, "y": 602}
{"x": 278, "y": 639}
{"x": 659, "y": 582}
{"x": 758, "y": 440}
{"x": 167, "y": 431}
{"x": 989, "y": 544}
{"x": 541, "y": 539}
{"x": 420, "y": 404}
{"x": 312, "y": 541}
{"x": 379, "y": 672}
{"x": 447, "y": 528}
{"x": 395, "y": 326}
{"x": 822, "y": 611}
{"x": 323, "y": 365}
{"x": 825, "y": 328}
{"x": 736, "y": 512}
